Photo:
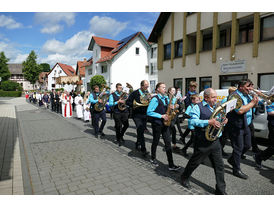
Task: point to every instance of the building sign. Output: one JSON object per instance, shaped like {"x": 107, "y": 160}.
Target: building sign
{"x": 233, "y": 66}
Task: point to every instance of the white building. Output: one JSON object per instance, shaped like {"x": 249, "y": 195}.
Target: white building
{"x": 60, "y": 70}
{"x": 18, "y": 76}
{"x": 152, "y": 63}
{"x": 119, "y": 61}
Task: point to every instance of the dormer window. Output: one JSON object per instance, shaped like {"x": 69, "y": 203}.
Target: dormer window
{"x": 137, "y": 50}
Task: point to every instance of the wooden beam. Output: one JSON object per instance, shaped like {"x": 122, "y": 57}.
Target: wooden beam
{"x": 215, "y": 36}
{"x": 198, "y": 38}
{"x": 256, "y": 34}
{"x": 233, "y": 36}
{"x": 172, "y": 41}
{"x": 184, "y": 40}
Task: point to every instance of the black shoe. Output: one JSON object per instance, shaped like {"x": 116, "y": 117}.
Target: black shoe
{"x": 102, "y": 134}
{"x": 145, "y": 154}
{"x": 175, "y": 148}
{"x": 154, "y": 162}
{"x": 183, "y": 140}
{"x": 185, "y": 183}
{"x": 258, "y": 161}
{"x": 224, "y": 154}
{"x": 96, "y": 136}
{"x": 256, "y": 150}
{"x": 243, "y": 157}
{"x": 230, "y": 161}
{"x": 137, "y": 147}
{"x": 119, "y": 143}
{"x": 184, "y": 152}
{"x": 174, "y": 168}
{"x": 218, "y": 192}
{"x": 240, "y": 174}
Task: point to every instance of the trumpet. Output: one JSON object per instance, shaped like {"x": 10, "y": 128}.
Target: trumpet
{"x": 268, "y": 99}
{"x": 144, "y": 99}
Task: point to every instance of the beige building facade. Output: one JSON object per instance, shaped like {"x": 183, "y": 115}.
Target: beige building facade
{"x": 216, "y": 49}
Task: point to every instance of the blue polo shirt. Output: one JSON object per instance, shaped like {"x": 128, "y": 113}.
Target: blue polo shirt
{"x": 195, "y": 120}
{"x": 154, "y": 104}
{"x": 111, "y": 100}
{"x": 246, "y": 100}
{"x": 270, "y": 108}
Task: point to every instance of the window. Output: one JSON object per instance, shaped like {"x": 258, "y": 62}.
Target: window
{"x": 207, "y": 40}
{"x": 205, "y": 82}
{"x": 167, "y": 51}
{"x": 153, "y": 52}
{"x": 152, "y": 85}
{"x": 224, "y": 35}
{"x": 245, "y": 30}
{"x": 179, "y": 48}
{"x": 137, "y": 50}
{"x": 153, "y": 69}
{"x": 178, "y": 83}
{"x": 104, "y": 69}
{"x": 53, "y": 85}
{"x": 267, "y": 28}
{"x": 266, "y": 81}
{"x": 227, "y": 81}
{"x": 188, "y": 80}
{"x": 191, "y": 44}
{"x": 89, "y": 71}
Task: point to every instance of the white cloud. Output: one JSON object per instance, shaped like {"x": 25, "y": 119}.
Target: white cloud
{"x": 68, "y": 52}
{"x": 9, "y": 22}
{"x": 106, "y": 26}
{"x": 52, "y": 21}
{"x": 53, "y": 29}
{"x": 13, "y": 54}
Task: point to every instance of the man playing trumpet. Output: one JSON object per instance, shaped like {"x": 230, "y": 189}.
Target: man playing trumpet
{"x": 239, "y": 125}
{"x": 200, "y": 119}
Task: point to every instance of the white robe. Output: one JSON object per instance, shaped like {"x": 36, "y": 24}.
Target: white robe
{"x": 86, "y": 111}
{"x": 78, "y": 100}
{"x": 67, "y": 106}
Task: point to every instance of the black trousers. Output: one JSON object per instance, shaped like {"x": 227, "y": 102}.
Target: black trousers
{"x": 241, "y": 142}
{"x": 157, "y": 131}
{"x": 203, "y": 149}
{"x": 269, "y": 151}
{"x": 190, "y": 141}
{"x": 140, "y": 122}
{"x": 97, "y": 116}
{"x": 176, "y": 122}
{"x": 253, "y": 138}
{"x": 121, "y": 124}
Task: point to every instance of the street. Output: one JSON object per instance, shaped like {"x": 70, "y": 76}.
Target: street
{"x": 62, "y": 156}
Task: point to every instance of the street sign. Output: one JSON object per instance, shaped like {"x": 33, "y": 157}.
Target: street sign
{"x": 233, "y": 66}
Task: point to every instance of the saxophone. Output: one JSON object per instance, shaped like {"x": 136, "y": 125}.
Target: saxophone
{"x": 171, "y": 113}
{"x": 124, "y": 96}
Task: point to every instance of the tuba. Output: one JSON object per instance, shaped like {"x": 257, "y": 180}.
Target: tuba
{"x": 104, "y": 97}
{"x": 144, "y": 101}
{"x": 219, "y": 113}
{"x": 124, "y": 96}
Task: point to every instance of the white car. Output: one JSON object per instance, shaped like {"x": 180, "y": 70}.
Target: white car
{"x": 260, "y": 118}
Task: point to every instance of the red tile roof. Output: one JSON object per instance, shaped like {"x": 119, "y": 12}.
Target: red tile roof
{"x": 81, "y": 68}
{"x": 103, "y": 42}
{"x": 108, "y": 55}
{"x": 67, "y": 69}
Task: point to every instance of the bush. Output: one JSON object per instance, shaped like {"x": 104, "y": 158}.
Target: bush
{"x": 97, "y": 80}
{"x": 10, "y": 93}
{"x": 10, "y": 86}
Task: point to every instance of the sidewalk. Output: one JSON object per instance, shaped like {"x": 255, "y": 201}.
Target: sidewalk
{"x": 11, "y": 182}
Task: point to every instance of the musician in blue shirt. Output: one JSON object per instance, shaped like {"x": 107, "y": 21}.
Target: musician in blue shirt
{"x": 269, "y": 151}
{"x": 200, "y": 119}
{"x": 97, "y": 115}
{"x": 157, "y": 111}
{"x": 239, "y": 123}
{"x": 120, "y": 115}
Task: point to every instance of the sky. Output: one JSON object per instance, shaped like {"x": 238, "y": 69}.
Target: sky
{"x": 64, "y": 36}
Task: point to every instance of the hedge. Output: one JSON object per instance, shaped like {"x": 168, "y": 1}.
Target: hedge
{"x": 10, "y": 93}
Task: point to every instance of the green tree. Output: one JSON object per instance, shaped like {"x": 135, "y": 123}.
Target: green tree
{"x": 97, "y": 80}
{"x": 4, "y": 69}
{"x": 31, "y": 69}
{"x": 45, "y": 67}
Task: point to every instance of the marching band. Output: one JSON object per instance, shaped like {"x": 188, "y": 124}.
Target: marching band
{"x": 161, "y": 110}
